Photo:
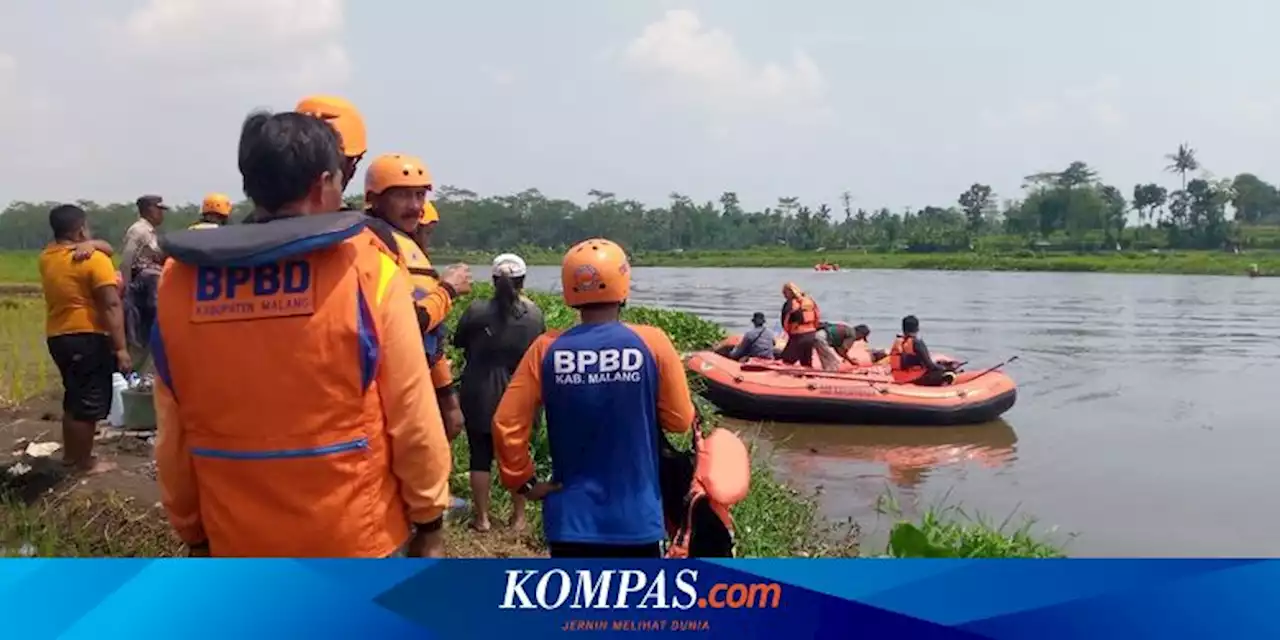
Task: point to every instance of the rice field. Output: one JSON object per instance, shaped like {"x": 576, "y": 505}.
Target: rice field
{"x": 25, "y": 367}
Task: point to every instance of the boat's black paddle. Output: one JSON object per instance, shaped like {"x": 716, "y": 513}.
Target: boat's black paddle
{"x": 995, "y": 368}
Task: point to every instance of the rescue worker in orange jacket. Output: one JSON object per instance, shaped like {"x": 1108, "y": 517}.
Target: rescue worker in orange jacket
{"x": 426, "y": 226}
{"x": 800, "y": 320}
{"x": 910, "y": 362}
{"x": 349, "y": 125}
{"x": 609, "y": 389}
{"x": 335, "y": 447}
{"x": 215, "y": 211}
{"x": 396, "y": 187}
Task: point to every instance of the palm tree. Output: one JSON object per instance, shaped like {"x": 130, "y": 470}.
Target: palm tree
{"x": 1182, "y": 162}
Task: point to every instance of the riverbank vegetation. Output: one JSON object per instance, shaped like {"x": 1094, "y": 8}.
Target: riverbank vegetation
{"x": 950, "y": 531}
{"x": 775, "y": 520}
{"x": 1069, "y": 219}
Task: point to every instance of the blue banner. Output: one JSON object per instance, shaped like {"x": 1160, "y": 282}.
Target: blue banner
{"x": 787, "y": 599}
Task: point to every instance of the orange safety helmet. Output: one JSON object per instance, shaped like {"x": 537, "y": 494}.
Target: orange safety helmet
{"x": 595, "y": 271}
{"x": 345, "y": 119}
{"x": 396, "y": 170}
{"x": 429, "y": 214}
{"x": 216, "y": 203}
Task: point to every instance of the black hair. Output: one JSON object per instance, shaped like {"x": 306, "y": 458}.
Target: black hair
{"x": 283, "y": 154}
{"x": 910, "y": 324}
{"x": 65, "y": 220}
{"x": 506, "y": 294}
{"x": 757, "y": 319}
{"x": 861, "y": 330}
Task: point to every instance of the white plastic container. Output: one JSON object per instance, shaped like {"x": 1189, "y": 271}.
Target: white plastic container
{"x": 118, "y": 385}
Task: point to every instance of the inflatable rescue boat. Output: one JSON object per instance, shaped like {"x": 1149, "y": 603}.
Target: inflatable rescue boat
{"x": 769, "y": 390}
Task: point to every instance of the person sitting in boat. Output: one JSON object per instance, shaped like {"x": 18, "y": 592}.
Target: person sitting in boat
{"x": 833, "y": 341}
{"x": 862, "y": 337}
{"x": 910, "y": 362}
{"x": 800, "y": 320}
{"x": 756, "y": 343}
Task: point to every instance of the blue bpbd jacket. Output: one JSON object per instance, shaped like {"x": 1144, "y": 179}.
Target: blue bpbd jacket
{"x": 607, "y": 389}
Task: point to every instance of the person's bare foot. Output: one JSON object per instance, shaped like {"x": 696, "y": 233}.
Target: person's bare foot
{"x": 480, "y": 526}
{"x": 517, "y": 524}
{"x": 92, "y": 467}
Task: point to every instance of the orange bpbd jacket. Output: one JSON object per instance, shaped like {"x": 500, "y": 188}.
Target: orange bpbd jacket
{"x": 432, "y": 303}
{"x": 294, "y": 406}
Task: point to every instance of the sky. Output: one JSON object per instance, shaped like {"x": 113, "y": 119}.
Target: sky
{"x": 901, "y": 104}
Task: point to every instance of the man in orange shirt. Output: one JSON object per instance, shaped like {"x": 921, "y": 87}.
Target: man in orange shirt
{"x": 85, "y": 329}
{"x": 609, "y": 390}
{"x": 336, "y": 448}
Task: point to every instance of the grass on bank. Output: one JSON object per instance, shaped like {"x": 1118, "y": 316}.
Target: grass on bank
{"x": 950, "y": 531}
{"x": 774, "y": 521}
{"x": 25, "y": 368}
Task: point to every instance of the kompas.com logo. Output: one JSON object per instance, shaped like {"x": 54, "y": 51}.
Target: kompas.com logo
{"x": 631, "y": 588}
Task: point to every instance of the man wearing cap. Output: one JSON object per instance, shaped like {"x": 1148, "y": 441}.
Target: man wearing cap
{"x": 140, "y": 264}
{"x": 756, "y": 343}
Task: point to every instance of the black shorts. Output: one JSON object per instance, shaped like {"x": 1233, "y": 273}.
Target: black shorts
{"x": 86, "y": 362}
{"x": 480, "y": 442}
{"x": 800, "y": 348}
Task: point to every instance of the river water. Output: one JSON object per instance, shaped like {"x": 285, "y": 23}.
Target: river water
{"x": 1143, "y": 424}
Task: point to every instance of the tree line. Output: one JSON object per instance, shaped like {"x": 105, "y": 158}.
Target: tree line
{"x": 1072, "y": 208}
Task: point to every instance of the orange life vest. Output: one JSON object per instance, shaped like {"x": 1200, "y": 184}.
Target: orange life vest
{"x": 425, "y": 281}
{"x": 809, "y": 316}
{"x": 293, "y": 407}
{"x": 718, "y": 478}
{"x": 431, "y": 302}
{"x": 903, "y": 361}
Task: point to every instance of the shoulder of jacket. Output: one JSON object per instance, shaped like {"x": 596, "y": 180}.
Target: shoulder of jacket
{"x": 385, "y": 235}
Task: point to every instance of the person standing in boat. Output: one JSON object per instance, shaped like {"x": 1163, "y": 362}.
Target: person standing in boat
{"x": 756, "y": 343}
{"x": 800, "y": 320}
{"x": 910, "y": 362}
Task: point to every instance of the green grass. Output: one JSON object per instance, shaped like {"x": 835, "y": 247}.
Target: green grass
{"x": 1168, "y": 262}
{"x": 950, "y": 531}
{"x": 73, "y": 525}
{"x": 25, "y": 368}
